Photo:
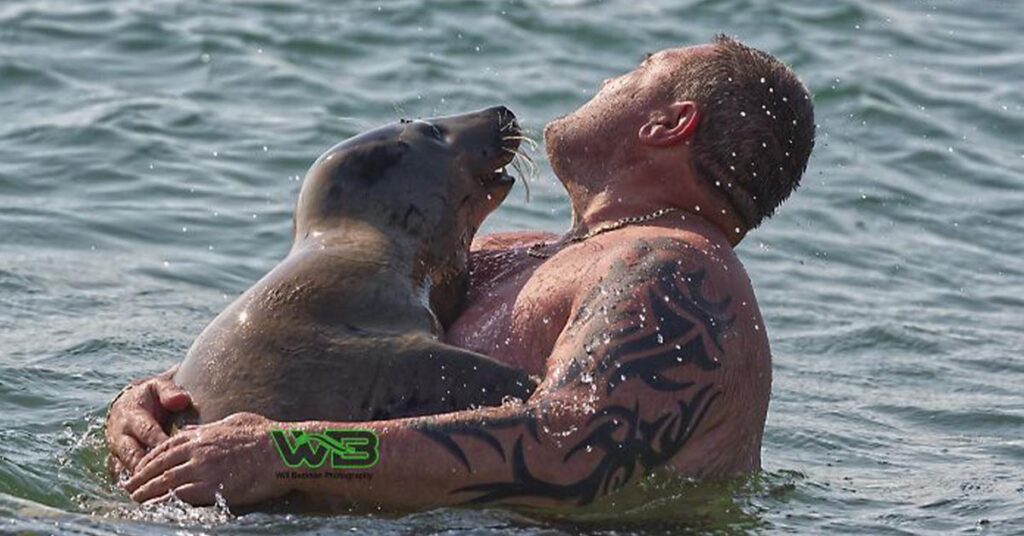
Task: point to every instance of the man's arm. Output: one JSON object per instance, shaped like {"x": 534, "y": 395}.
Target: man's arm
{"x": 635, "y": 377}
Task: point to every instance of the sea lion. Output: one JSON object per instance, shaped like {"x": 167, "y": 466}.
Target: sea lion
{"x": 348, "y": 326}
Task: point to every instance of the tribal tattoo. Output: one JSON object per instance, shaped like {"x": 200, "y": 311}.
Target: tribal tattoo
{"x": 654, "y": 324}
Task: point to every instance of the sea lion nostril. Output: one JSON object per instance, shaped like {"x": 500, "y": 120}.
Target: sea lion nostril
{"x": 504, "y": 113}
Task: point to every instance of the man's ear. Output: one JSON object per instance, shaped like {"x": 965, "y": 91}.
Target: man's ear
{"x": 670, "y": 126}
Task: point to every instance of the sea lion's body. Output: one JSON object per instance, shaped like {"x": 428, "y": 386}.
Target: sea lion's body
{"x": 344, "y": 328}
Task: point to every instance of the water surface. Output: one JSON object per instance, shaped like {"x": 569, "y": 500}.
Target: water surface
{"x": 150, "y": 153}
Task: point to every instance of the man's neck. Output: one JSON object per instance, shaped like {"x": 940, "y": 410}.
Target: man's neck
{"x": 635, "y": 198}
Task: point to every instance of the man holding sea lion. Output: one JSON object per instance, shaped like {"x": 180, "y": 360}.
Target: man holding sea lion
{"x": 640, "y": 321}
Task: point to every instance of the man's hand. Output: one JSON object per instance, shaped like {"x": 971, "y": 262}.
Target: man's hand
{"x": 135, "y": 422}
{"x": 232, "y": 457}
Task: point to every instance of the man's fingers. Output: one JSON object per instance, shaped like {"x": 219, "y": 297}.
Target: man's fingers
{"x": 162, "y": 484}
{"x": 159, "y": 460}
{"x": 196, "y": 493}
{"x": 172, "y": 397}
{"x": 144, "y": 427}
{"x": 164, "y": 447}
{"x": 114, "y": 466}
{"x": 127, "y": 450}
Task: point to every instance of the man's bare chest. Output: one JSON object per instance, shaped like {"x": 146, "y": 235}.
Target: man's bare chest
{"x": 515, "y": 315}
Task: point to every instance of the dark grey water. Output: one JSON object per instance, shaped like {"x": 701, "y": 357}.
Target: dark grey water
{"x": 149, "y": 157}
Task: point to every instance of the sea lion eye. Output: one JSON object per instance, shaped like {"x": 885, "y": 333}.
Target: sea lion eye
{"x": 431, "y": 130}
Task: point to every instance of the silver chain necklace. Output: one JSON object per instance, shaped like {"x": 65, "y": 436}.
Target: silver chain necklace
{"x": 534, "y": 250}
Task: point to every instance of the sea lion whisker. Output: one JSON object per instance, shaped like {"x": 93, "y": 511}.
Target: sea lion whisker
{"x": 517, "y": 164}
{"x": 529, "y": 141}
{"x": 519, "y": 155}
{"x": 524, "y": 156}
{"x": 511, "y": 125}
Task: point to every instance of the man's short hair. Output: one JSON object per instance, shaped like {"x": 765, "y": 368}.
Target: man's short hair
{"x": 757, "y": 126}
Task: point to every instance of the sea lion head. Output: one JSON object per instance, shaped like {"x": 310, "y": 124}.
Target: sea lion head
{"x": 428, "y": 182}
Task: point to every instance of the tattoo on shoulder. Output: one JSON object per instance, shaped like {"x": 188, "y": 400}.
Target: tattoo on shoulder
{"x": 648, "y": 325}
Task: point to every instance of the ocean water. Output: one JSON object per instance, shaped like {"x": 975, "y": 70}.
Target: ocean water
{"x": 150, "y": 154}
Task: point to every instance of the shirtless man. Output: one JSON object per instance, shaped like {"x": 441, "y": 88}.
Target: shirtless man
{"x": 640, "y": 321}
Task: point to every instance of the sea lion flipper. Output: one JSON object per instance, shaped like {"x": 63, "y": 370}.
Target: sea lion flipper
{"x": 431, "y": 377}
{"x": 474, "y": 379}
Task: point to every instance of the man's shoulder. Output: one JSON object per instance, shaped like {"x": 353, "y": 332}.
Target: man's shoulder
{"x": 678, "y": 264}
{"x": 644, "y": 249}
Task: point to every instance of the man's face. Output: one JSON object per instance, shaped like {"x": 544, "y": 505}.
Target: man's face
{"x": 605, "y": 128}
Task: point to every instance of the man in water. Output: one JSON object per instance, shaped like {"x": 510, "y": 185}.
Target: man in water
{"x": 640, "y": 321}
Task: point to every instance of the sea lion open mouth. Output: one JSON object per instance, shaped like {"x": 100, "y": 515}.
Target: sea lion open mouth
{"x": 508, "y": 144}
{"x": 500, "y": 177}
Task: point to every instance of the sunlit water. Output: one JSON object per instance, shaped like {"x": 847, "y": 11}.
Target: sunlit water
{"x": 150, "y": 154}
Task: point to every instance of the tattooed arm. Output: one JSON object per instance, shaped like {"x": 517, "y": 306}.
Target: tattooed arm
{"x": 643, "y": 375}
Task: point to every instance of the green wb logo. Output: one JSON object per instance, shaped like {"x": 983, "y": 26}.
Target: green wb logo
{"x": 347, "y": 449}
